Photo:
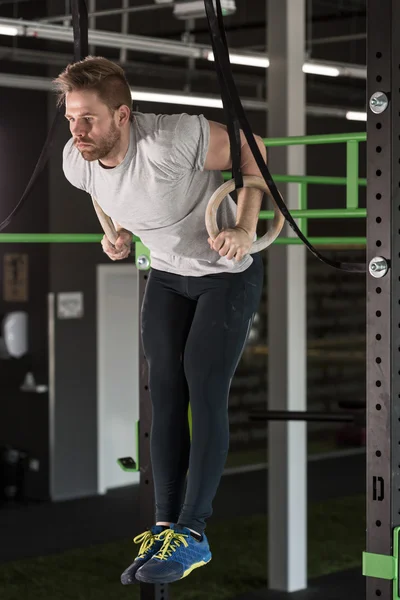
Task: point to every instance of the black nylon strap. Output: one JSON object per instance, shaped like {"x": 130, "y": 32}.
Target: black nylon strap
{"x": 229, "y": 93}
{"x": 81, "y": 49}
{"x": 80, "y": 26}
{"x": 232, "y": 121}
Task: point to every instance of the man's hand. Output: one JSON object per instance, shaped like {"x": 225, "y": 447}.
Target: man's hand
{"x": 232, "y": 243}
{"x": 122, "y": 247}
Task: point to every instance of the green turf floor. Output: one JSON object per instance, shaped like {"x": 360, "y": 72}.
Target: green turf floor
{"x": 336, "y": 541}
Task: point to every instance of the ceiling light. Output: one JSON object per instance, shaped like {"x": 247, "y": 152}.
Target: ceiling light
{"x": 356, "y": 116}
{"x": 245, "y": 59}
{"x": 194, "y": 9}
{"x": 183, "y": 99}
{"x": 10, "y": 30}
{"x": 318, "y": 69}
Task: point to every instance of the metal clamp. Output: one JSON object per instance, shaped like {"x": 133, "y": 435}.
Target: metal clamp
{"x": 378, "y": 267}
{"x": 378, "y": 102}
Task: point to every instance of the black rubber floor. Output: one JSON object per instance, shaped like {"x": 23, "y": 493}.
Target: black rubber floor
{"x": 42, "y": 529}
{"x": 349, "y": 585}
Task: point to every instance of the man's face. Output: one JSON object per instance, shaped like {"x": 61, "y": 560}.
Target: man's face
{"x": 92, "y": 125}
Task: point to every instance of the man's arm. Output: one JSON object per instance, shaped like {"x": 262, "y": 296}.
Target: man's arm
{"x": 219, "y": 158}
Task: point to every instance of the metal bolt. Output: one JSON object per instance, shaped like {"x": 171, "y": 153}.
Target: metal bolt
{"x": 378, "y": 267}
{"x": 143, "y": 262}
{"x": 378, "y": 102}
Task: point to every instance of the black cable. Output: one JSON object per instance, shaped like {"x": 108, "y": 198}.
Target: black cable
{"x": 81, "y": 45}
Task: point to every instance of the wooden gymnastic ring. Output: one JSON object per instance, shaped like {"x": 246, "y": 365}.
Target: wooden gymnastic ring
{"x": 106, "y": 223}
{"x": 252, "y": 181}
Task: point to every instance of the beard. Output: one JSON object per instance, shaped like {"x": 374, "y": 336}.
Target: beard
{"x": 102, "y": 147}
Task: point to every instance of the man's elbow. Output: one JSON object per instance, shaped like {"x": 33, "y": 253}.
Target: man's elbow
{"x": 259, "y": 141}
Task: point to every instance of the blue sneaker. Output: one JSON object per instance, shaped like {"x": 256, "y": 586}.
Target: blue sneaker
{"x": 178, "y": 557}
{"x": 151, "y": 543}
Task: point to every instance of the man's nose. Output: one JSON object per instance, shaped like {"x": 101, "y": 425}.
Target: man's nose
{"x": 78, "y": 129}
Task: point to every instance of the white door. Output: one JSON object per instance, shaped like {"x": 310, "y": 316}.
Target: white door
{"x": 117, "y": 372}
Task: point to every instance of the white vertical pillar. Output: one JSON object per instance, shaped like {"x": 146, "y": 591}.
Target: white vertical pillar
{"x": 287, "y": 499}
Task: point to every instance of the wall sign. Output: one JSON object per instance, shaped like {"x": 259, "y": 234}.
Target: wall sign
{"x": 70, "y": 305}
{"x": 15, "y": 282}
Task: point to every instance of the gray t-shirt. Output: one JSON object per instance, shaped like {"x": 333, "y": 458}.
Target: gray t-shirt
{"x": 160, "y": 192}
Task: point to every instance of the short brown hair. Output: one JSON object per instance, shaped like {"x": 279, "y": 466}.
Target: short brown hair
{"x": 98, "y": 74}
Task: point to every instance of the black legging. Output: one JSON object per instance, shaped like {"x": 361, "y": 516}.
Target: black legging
{"x": 194, "y": 330}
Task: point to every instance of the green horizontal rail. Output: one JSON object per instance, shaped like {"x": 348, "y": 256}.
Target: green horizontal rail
{"x": 50, "y": 238}
{"x": 323, "y": 241}
{"x": 321, "y": 213}
{"x": 330, "y": 138}
{"x": 82, "y": 238}
{"x": 313, "y": 179}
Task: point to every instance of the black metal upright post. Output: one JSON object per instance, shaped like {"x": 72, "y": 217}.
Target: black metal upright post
{"x": 383, "y": 298}
{"x": 147, "y": 505}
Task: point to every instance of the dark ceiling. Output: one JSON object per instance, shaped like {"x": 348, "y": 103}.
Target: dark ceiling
{"x": 335, "y": 32}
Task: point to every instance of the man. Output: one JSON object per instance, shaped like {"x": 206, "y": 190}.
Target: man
{"x": 154, "y": 175}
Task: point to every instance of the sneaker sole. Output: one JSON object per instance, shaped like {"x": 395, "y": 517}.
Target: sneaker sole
{"x": 172, "y": 579}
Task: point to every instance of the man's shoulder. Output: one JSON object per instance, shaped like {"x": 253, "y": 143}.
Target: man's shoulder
{"x": 162, "y": 122}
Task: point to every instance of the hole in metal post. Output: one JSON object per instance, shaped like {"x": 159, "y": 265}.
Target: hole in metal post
{"x": 378, "y": 407}
{"x": 378, "y": 313}
{"x": 378, "y": 220}
{"x": 379, "y": 243}
{"x": 378, "y": 360}
{"x": 378, "y": 337}
{"x": 379, "y": 196}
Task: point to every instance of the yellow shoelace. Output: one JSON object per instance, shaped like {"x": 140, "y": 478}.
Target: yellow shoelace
{"x": 146, "y": 539}
{"x": 172, "y": 541}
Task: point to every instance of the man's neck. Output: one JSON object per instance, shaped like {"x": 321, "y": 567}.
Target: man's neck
{"x": 118, "y": 154}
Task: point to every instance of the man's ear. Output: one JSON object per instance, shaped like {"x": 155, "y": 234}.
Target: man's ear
{"x": 124, "y": 114}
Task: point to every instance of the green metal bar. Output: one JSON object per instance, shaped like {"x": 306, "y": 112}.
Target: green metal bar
{"x": 303, "y": 223}
{"x": 51, "y": 238}
{"x": 352, "y": 175}
{"x": 323, "y": 241}
{"x": 313, "y": 179}
{"x": 321, "y": 213}
{"x": 331, "y": 138}
{"x": 21, "y": 238}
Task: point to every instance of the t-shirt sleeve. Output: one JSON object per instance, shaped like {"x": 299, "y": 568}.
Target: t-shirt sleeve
{"x": 74, "y": 167}
{"x": 191, "y": 141}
